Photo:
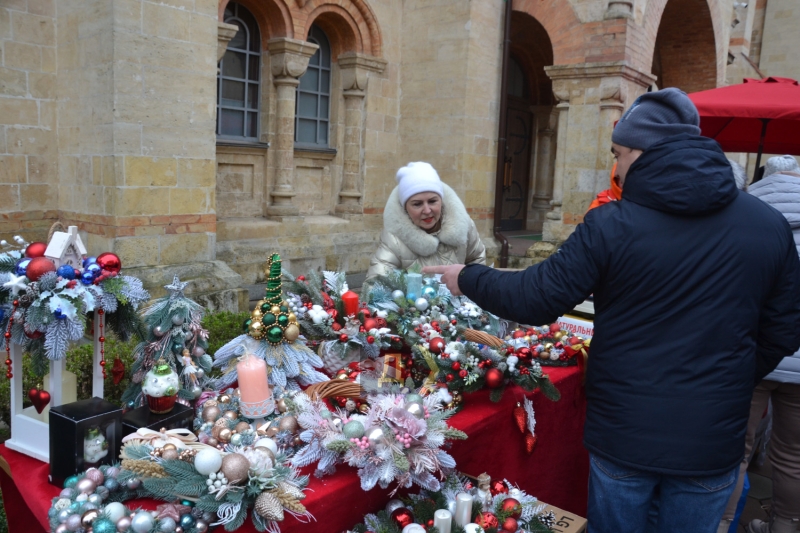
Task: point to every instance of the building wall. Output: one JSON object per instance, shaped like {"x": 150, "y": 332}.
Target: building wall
{"x": 780, "y": 39}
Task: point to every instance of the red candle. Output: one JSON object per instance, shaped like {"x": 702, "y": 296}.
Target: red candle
{"x": 350, "y": 300}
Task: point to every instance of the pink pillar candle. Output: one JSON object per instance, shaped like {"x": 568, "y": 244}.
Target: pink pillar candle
{"x": 256, "y": 396}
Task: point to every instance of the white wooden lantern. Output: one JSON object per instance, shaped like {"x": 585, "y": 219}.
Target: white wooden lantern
{"x": 66, "y": 248}
{"x": 30, "y": 431}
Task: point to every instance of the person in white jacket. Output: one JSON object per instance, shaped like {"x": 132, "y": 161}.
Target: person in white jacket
{"x": 779, "y": 188}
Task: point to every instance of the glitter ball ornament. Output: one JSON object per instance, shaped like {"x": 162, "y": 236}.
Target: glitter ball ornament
{"x": 402, "y": 517}
{"x": 166, "y": 524}
{"x": 38, "y": 267}
{"x": 103, "y": 525}
{"x": 235, "y": 467}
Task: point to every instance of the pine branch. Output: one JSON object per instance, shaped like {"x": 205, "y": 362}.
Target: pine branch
{"x": 548, "y": 389}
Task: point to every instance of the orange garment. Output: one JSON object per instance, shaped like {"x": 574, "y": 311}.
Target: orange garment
{"x": 609, "y": 195}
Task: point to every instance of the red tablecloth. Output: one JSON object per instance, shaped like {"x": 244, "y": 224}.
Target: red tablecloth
{"x": 556, "y": 472}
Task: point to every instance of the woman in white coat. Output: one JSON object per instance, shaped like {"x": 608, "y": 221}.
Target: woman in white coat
{"x": 426, "y": 223}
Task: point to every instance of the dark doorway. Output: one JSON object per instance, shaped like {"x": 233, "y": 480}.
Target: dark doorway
{"x": 517, "y": 165}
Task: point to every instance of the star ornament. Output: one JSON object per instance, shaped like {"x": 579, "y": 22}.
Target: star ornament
{"x": 172, "y": 510}
{"x": 176, "y": 288}
{"x": 15, "y": 284}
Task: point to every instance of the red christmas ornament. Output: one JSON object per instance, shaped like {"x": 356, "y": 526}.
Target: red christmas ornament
{"x": 512, "y": 505}
{"x": 530, "y": 442}
{"x": 35, "y": 249}
{"x": 39, "y": 398}
{"x": 450, "y": 377}
{"x": 34, "y": 334}
{"x": 554, "y": 328}
{"x": 370, "y": 339}
{"x": 370, "y": 323}
{"x": 494, "y": 378}
{"x": 518, "y": 334}
{"x": 524, "y": 353}
{"x": 487, "y": 520}
{"x": 509, "y": 350}
{"x": 110, "y": 262}
{"x": 343, "y": 337}
{"x": 436, "y": 344}
{"x": 380, "y": 323}
{"x": 362, "y": 329}
{"x": 301, "y": 278}
{"x": 402, "y": 517}
{"x": 519, "y": 417}
{"x": 38, "y": 267}
{"x": 575, "y": 340}
{"x": 336, "y": 326}
{"x": 456, "y": 366}
{"x": 118, "y": 370}
{"x": 498, "y": 487}
{"x": 510, "y": 525}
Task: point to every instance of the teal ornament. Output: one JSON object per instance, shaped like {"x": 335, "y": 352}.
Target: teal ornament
{"x": 70, "y": 482}
{"x": 428, "y": 292}
{"x": 111, "y": 484}
{"x": 177, "y": 348}
{"x": 353, "y": 429}
{"x": 413, "y": 398}
{"x": 187, "y": 503}
{"x": 187, "y": 521}
{"x": 324, "y": 413}
{"x": 104, "y": 525}
{"x": 75, "y": 507}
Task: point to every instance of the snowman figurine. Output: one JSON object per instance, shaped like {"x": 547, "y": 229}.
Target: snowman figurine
{"x": 160, "y": 387}
{"x": 95, "y": 446}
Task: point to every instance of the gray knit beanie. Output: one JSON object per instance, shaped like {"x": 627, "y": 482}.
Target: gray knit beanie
{"x": 780, "y": 163}
{"x": 655, "y": 116}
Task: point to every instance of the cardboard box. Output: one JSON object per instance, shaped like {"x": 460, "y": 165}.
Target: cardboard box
{"x": 566, "y": 522}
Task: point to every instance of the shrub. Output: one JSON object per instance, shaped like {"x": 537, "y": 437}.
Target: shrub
{"x": 223, "y": 326}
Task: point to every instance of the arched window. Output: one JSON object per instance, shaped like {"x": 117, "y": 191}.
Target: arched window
{"x": 517, "y": 86}
{"x": 314, "y": 94}
{"x": 238, "y": 78}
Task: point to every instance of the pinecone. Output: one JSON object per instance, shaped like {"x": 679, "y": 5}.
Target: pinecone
{"x": 269, "y": 507}
{"x": 144, "y": 468}
{"x": 291, "y": 490}
{"x": 305, "y": 298}
{"x": 289, "y": 502}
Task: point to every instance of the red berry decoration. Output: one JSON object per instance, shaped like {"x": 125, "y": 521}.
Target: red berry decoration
{"x": 38, "y": 267}
{"x": 301, "y": 278}
{"x": 456, "y": 366}
{"x": 510, "y": 525}
{"x": 494, "y": 378}
{"x": 487, "y": 520}
{"x": 450, "y": 377}
{"x": 343, "y": 337}
{"x": 436, "y": 344}
{"x": 513, "y": 506}
{"x": 402, "y": 517}
{"x": 110, "y": 262}
{"x": 370, "y": 339}
{"x": 35, "y": 249}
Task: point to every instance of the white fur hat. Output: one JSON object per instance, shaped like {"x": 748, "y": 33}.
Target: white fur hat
{"x": 781, "y": 163}
{"x": 415, "y": 178}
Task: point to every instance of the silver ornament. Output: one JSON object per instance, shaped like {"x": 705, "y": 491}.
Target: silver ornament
{"x": 376, "y": 437}
{"x": 158, "y": 331}
{"x": 133, "y": 483}
{"x": 124, "y": 524}
{"x": 95, "y": 499}
{"x": 336, "y": 423}
{"x": 200, "y": 373}
{"x": 73, "y": 522}
{"x": 201, "y": 526}
{"x": 421, "y": 304}
{"x": 86, "y": 486}
{"x": 177, "y": 320}
{"x": 188, "y": 335}
{"x": 196, "y": 391}
{"x": 142, "y": 522}
{"x": 398, "y": 295}
{"x": 416, "y": 409}
{"x": 198, "y": 351}
{"x": 236, "y": 439}
{"x": 167, "y": 525}
{"x": 414, "y": 397}
{"x": 63, "y": 515}
{"x": 393, "y": 504}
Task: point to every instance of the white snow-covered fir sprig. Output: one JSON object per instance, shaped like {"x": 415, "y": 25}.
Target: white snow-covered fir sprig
{"x": 531, "y": 416}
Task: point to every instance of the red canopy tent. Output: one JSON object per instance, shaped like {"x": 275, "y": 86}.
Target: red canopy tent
{"x": 754, "y": 116}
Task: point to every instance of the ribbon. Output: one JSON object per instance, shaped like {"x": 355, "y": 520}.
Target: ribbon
{"x": 180, "y": 437}
{"x": 583, "y": 348}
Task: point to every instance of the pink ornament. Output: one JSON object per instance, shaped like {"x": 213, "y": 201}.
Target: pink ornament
{"x": 95, "y": 475}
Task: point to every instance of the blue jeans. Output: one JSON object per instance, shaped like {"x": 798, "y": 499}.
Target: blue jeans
{"x": 621, "y": 499}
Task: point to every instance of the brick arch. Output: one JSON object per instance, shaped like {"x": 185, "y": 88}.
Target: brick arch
{"x": 273, "y": 16}
{"x": 350, "y": 24}
{"x": 685, "y": 51}
{"x": 560, "y": 22}
{"x": 704, "y": 23}
{"x": 531, "y": 47}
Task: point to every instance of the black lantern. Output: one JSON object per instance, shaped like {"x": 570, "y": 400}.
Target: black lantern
{"x": 83, "y": 434}
{"x": 181, "y": 416}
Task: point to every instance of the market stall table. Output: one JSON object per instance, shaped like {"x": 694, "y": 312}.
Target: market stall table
{"x": 556, "y": 472}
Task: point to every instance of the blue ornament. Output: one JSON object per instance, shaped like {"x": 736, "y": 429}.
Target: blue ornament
{"x": 59, "y": 314}
{"x": 428, "y": 292}
{"x": 63, "y": 515}
{"x": 70, "y": 482}
{"x": 22, "y": 266}
{"x": 177, "y": 348}
{"x": 111, "y": 484}
{"x": 2, "y": 314}
{"x": 89, "y": 261}
{"x": 66, "y": 272}
{"x": 95, "y": 269}
{"x": 187, "y": 503}
{"x": 87, "y": 278}
{"x": 187, "y": 521}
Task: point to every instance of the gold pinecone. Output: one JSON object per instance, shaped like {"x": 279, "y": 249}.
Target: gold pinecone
{"x": 289, "y": 502}
{"x": 269, "y": 507}
{"x": 144, "y": 468}
{"x": 291, "y": 490}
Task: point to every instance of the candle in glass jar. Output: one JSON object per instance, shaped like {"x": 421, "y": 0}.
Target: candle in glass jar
{"x": 255, "y": 392}
{"x": 413, "y": 285}
{"x": 443, "y": 519}
{"x": 350, "y": 301}
{"x": 463, "y": 509}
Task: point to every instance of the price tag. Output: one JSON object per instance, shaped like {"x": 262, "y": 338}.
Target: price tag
{"x": 566, "y": 522}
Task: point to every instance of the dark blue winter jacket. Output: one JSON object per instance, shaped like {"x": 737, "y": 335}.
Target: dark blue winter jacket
{"x": 697, "y": 297}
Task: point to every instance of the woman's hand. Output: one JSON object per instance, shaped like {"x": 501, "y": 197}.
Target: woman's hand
{"x": 449, "y": 276}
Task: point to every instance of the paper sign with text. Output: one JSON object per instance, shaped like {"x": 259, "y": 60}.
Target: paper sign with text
{"x": 566, "y": 522}
{"x": 578, "y": 326}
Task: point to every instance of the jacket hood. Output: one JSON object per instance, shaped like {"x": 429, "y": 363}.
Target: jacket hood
{"x": 683, "y": 174}
{"x": 781, "y": 191}
{"x": 454, "y": 231}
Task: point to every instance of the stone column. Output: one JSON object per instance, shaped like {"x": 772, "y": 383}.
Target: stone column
{"x": 611, "y": 108}
{"x": 543, "y": 191}
{"x": 552, "y": 225}
{"x": 354, "y": 68}
{"x": 288, "y": 61}
{"x": 225, "y": 32}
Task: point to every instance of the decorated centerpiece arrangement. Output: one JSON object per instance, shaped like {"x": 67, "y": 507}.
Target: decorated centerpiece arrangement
{"x": 272, "y": 335}
{"x": 173, "y": 335}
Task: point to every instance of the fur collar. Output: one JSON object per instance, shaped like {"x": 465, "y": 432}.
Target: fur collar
{"x": 454, "y": 231}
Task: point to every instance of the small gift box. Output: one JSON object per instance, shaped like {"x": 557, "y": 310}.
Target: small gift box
{"x": 181, "y": 416}
{"x": 82, "y": 435}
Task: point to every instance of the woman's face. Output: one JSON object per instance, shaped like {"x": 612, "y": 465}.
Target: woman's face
{"x": 425, "y": 209}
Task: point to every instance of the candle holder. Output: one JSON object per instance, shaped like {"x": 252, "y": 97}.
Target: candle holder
{"x": 260, "y": 409}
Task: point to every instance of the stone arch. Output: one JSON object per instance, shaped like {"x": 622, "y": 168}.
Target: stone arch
{"x": 687, "y": 52}
{"x": 531, "y": 47}
{"x": 561, "y": 25}
{"x": 273, "y": 16}
{"x": 350, "y": 24}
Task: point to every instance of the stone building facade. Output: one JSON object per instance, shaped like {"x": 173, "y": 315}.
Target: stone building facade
{"x": 197, "y": 136}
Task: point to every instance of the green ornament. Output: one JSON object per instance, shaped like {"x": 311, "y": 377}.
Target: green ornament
{"x": 324, "y": 413}
{"x": 70, "y": 482}
{"x": 284, "y": 309}
{"x": 283, "y": 320}
{"x": 265, "y": 307}
{"x": 246, "y": 325}
{"x": 162, "y": 368}
{"x": 268, "y": 319}
{"x": 275, "y": 335}
{"x": 171, "y": 391}
{"x": 104, "y": 525}
{"x": 353, "y": 429}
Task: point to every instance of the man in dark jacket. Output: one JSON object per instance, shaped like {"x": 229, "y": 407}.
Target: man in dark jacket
{"x": 697, "y": 297}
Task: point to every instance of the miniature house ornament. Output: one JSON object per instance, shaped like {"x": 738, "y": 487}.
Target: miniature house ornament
{"x": 66, "y": 248}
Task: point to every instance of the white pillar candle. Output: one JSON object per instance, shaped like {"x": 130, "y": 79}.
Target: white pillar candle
{"x": 473, "y": 528}
{"x": 443, "y": 519}
{"x": 413, "y": 528}
{"x": 463, "y": 508}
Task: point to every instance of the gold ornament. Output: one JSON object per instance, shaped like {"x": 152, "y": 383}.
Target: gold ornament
{"x": 241, "y": 427}
{"x": 144, "y": 468}
{"x": 272, "y": 431}
{"x": 225, "y": 435}
{"x": 288, "y": 501}
{"x": 169, "y": 454}
{"x": 88, "y": 517}
{"x": 187, "y": 455}
{"x": 281, "y": 406}
{"x": 269, "y": 507}
{"x": 548, "y": 346}
{"x": 527, "y": 338}
{"x": 169, "y": 446}
{"x": 291, "y": 332}
{"x": 288, "y": 423}
{"x": 222, "y": 423}
{"x": 293, "y": 318}
{"x": 256, "y": 314}
{"x": 224, "y": 399}
{"x": 235, "y": 467}
{"x": 557, "y": 335}
{"x": 211, "y": 413}
{"x": 291, "y": 490}
{"x": 231, "y": 415}
{"x": 210, "y": 403}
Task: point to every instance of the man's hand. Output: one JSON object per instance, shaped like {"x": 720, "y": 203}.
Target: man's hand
{"x": 449, "y": 276}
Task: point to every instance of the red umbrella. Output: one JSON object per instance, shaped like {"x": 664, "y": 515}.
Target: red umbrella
{"x": 754, "y": 116}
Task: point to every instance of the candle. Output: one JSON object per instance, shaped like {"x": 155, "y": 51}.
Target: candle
{"x": 256, "y": 396}
{"x": 414, "y": 528}
{"x": 443, "y": 520}
{"x": 413, "y": 285}
{"x": 463, "y": 509}
{"x": 473, "y": 528}
{"x": 350, "y": 301}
